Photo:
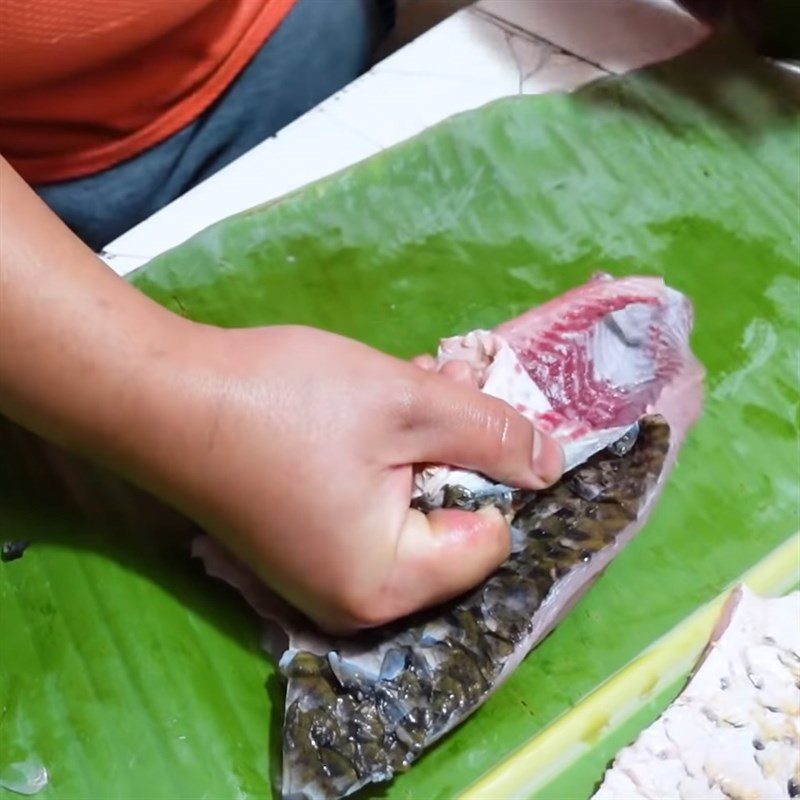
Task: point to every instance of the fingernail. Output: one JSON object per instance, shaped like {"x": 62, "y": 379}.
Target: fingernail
{"x": 497, "y": 518}
{"x": 548, "y": 458}
{"x": 494, "y": 514}
{"x": 489, "y": 512}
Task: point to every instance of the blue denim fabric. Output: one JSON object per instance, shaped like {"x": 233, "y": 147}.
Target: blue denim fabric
{"x": 320, "y": 47}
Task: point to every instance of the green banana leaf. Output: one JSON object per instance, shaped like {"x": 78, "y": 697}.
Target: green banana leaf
{"x": 129, "y": 674}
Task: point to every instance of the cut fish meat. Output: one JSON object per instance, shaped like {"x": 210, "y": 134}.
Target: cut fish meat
{"x": 360, "y": 709}
{"x": 734, "y": 732}
{"x": 583, "y": 367}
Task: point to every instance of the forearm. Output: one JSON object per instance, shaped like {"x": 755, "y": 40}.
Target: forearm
{"x": 82, "y": 353}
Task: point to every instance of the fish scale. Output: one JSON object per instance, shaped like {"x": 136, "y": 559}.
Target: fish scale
{"x": 341, "y": 732}
{"x": 359, "y": 710}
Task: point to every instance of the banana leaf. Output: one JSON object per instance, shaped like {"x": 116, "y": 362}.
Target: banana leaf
{"x": 129, "y": 674}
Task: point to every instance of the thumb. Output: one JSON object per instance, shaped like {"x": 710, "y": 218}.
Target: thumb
{"x": 442, "y": 555}
{"x": 453, "y": 423}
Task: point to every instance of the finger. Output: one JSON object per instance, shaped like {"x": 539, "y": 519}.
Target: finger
{"x": 425, "y": 362}
{"x": 442, "y": 555}
{"x": 450, "y": 423}
{"x": 460, "y": 372}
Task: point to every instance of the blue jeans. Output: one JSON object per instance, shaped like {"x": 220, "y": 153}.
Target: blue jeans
{"x": 321, "y": 46}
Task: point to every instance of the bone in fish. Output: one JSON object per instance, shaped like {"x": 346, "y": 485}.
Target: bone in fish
{"x": 610, "y": 356}
{"x": 735, "y": 729}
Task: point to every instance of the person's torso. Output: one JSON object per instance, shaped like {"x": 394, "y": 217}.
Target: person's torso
{"x": 85, "y": 84}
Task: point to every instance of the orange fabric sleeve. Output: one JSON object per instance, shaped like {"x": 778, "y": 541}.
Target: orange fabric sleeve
{"x": 86, "y": 84}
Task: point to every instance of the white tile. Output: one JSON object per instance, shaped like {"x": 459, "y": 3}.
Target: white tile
{"x": 560, "y": 73}
{"x": 123, "y": 264}
{"x": 392, "y": 107}
{"x": 310, "y": 148}
{"x": 461, "y": 64}
{"x": 618, "y": 35}
{"x": 404, "y": 105}
{"x": 480, "y": 54}
{"x": 464, "y": 63}
{"x": 465, "y": 46}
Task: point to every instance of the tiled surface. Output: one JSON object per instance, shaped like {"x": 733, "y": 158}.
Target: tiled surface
{"x": 490, "y": 50}
{"x": 617, "y": 35}
{"x": 419, "y": 86}
{"x": 309, "y": 148}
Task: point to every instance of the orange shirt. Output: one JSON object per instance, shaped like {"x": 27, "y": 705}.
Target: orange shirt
{"x": 85, "y": 84}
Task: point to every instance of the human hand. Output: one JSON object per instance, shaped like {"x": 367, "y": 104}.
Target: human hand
{"x": 293, "y": 446}
{"x": 297, "y": 452}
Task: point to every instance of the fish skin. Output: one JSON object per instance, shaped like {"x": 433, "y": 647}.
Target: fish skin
{"x": 359, "y": 710}
{"x": 734, "y": 731}
{"x": 476, "y": 642}
{"x": 582, "y": 367}
{"x": 349, "y": 721}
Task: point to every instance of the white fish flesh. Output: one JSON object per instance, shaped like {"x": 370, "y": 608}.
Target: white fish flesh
{"x": 734, "y": 732}
{"x": 612, "y": 355}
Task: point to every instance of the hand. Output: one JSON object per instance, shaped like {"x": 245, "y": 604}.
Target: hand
{"x": 293, "y": 446}
{"x": 300, "y": 459}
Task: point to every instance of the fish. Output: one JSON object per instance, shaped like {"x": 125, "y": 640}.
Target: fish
{"x": 734, "y": 731}
{"x": 608, "y": 370}
{"x": 581, "y": 367}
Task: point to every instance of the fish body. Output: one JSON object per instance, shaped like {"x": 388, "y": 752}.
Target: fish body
{"x": 734, "y": 732}
{"x": 360, "y": 709}
{"x": 583, "y": 367}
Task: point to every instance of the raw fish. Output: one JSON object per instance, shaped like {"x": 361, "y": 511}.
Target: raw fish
{"x": 734, "y": 732}
{"x": 582, "y": 367}
{"x": 608, "y": 370}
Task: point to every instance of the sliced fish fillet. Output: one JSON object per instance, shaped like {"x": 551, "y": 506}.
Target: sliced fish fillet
{"x": 583, "y": 367}
{"x": 607, "y": 368}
